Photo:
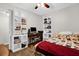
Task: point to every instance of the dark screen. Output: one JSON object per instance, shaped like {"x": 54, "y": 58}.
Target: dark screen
{"x": 33, "y": 29}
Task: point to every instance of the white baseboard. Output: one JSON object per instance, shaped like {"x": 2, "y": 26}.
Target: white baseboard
{"x": 5, "y": 43}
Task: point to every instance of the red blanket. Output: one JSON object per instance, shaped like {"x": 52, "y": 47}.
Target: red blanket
{"x": 48, "y": 48}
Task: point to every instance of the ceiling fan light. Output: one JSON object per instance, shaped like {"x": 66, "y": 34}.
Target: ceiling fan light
{"x": 36, "y": 7}
{"x": 42, "y": 4}
{"x": 38, "y": 4}
{"x": 46, "y": 5}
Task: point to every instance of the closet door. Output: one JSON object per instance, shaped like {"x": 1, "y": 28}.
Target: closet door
{"x": 4, "y": 27}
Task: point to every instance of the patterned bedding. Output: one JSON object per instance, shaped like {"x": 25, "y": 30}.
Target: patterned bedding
{"x": 69, "y": 40}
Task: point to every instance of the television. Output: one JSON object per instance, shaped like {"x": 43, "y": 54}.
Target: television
{"x": 32, "y": 29}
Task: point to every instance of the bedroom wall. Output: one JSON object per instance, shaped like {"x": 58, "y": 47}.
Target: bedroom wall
{"x": 33, "y": 20}
{"x": 66, "y": 19}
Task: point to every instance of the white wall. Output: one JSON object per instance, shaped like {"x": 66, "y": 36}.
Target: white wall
{"x": 66, "y": 19}
{"x": 33, "y": 20}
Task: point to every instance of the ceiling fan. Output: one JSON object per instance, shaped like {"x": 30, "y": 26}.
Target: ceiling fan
{"x": 42, "y": 5}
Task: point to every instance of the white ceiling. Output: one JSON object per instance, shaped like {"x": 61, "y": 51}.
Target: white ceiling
{"x": 41, "y": 10}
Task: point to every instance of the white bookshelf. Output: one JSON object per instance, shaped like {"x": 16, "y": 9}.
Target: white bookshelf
{"x": 19, "y": 39}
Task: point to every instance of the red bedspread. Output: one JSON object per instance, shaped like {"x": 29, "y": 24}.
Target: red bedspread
{"x": 48, "y": 48}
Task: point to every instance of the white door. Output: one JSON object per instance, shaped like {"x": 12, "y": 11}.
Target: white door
{"x": 4, "y": 27}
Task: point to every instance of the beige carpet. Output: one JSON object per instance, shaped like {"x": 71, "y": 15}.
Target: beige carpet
{"x": 29, "y": 51}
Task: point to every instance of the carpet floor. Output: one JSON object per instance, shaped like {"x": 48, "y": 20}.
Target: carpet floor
{"x": 29, "y": 51}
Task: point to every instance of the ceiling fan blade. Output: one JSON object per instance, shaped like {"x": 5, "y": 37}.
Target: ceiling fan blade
{"x": 46, "y": 5}
{"x": 36, "y": 7}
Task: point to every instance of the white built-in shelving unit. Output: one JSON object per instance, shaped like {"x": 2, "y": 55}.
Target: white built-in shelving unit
{"x": 47, "y": 28}
{"x": 19, "y": 39}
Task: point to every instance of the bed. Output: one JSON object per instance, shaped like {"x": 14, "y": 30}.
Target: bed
{"x": 55, "y": 48}
{"x": 51, "y": 49}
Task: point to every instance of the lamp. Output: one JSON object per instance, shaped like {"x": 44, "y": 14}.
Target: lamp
{"x": 42, "y": 5}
